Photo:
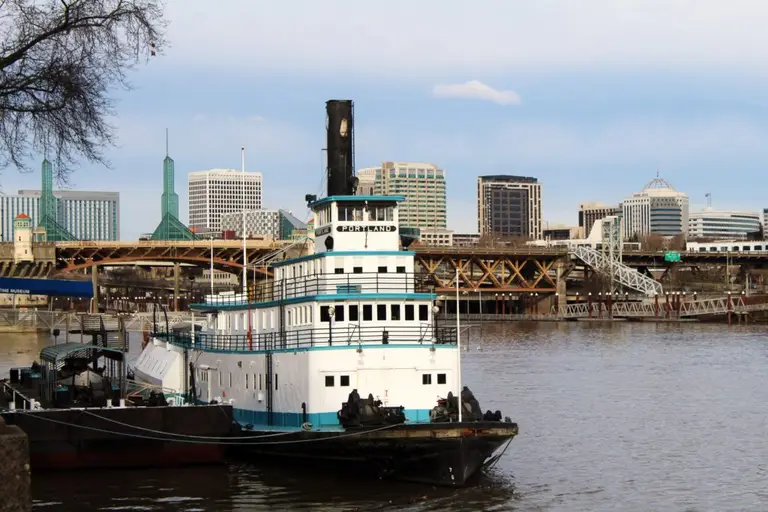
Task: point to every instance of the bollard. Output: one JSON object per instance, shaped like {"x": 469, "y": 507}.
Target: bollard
{"x": 14, "y": 469}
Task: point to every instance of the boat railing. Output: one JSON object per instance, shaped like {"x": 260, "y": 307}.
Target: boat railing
{"x": 17, "y": 399}
{"x": 310, "y": 338}
{"x": 323, "y": 284}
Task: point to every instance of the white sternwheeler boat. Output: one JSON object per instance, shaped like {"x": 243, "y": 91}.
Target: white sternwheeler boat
{"x": 338, "y": 355}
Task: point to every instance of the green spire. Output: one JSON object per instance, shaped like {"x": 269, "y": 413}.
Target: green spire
{"x": 54, "y": 232}
{"x": 170, "y": 227}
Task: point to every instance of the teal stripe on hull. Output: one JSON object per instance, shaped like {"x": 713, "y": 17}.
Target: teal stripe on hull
{"x": 319, "y": 421}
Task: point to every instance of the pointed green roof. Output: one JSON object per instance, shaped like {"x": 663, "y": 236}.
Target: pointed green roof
{"x": 55, "y": 232}
{"x": 171, "y": 228}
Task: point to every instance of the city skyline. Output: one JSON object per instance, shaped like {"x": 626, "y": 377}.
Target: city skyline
{"x": 592, "y": 119}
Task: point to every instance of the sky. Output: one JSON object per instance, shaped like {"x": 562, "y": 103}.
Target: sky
{"x": 593, "y": 98}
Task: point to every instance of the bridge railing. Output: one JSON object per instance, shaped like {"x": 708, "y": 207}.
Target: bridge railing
{"x": 313, "y": 337}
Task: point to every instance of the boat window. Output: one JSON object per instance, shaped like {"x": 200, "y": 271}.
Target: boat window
{"x": 259, "y": 382}
{"x": 344, "y": 380}
{"x": 426, "y": 379}
{"x": 329, "y": 381}
{"x": 247, "y": 380}
{"x": 400, "y": 270}
{"x": 275, "y": 381}
{"x": 230, "y": 379}
{"x": 367, "y": 312}
{"x": 382, "y": 270}
{"x": 309, "y": 320}
{"x": 395, "y": 308}
{"x": 353, "y": 313}
{"x": 339, "y": 313}
{"x": 441, "y": 378}
{"x": 423, "y": 312}
{"x": 324, "y": 316}
{"x": 357, "y": 270}
{"x": 338, "y": 270}
{"x": 381, "y": 311}
{"x": 254, "y": 381}
{"x": 409, "y": 312}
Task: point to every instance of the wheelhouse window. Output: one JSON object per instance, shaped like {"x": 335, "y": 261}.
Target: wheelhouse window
{"x": 381, "y": 311}
{"x": 329, "y": 381}
{"x": 409, "y": 312}
{"x": 400, "y": 270}
{"x": 357, "y": 270}
{"x": 382, "y": 270}
{"x": 395, "y": 309}
{"x": 367, "y": 312}
{"x": 325, "y": 314}
{"x": 423, "y": 312}
{"x": 441, "y": 378}
{"x": 353, "y": 313}
{"x": 338, "y": 270}
{"x": 351, "y": 213}
{"x": 338, "y": 313}
{"x": 426, "y": 379}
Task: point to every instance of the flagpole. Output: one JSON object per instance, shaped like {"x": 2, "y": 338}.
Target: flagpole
{"x": 245, "y": 255}
{"x": 458, "y": 341}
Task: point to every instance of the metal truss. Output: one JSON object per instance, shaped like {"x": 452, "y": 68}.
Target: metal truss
{"x": 688, "y": 309}
{"x": 82, "y": 322}
{"x": 227, "y": 254}
{"x": 521, "y": 273}
{"x": 624, "y": 275}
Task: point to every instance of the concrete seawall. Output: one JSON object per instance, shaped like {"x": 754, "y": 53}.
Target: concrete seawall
{"x": 15, "y": 492}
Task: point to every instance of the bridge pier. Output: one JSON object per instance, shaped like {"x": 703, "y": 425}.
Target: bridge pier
{"x": 95, "y": 283}
{"x": 176, "y": 282}
{"x": 561, "y": 292}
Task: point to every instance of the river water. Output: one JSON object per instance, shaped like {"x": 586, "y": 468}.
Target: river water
{"x": 629, "y": 416}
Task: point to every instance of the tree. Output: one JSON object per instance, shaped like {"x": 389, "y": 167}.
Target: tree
{"x": 59, "y": 60}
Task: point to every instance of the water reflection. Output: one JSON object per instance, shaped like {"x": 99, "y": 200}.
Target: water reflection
{"x": 624, "y": 416}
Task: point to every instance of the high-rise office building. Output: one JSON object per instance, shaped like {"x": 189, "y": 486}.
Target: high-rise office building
{"x": 591, "y": 212}
{"x": 366, "y": 181}
{"x": 657, "y": 209}
{"x": 216, "y": 192}
{"x": 509, "y": 206}
{"x": 723, "y": 225}
{"x": 422, "y": 185}
{"x": 85, "y": 215}
{"x": 272, "y": 224}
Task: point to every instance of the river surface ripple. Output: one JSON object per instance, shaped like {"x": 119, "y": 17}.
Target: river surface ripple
{"x": 633, "y": 417}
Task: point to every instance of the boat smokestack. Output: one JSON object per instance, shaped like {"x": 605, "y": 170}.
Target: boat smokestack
{"x": 340, "y": 126}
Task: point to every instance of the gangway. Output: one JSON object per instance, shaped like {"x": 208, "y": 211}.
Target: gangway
{"x": 650, "y": 309}
{"x": 620, "y": 273}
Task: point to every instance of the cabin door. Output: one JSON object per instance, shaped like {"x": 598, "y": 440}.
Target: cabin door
{"x": 377, "y": 383}
{"x": 212, "y": 378}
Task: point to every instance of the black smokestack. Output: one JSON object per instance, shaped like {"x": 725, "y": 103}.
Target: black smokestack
{"x": 341, "y": 147}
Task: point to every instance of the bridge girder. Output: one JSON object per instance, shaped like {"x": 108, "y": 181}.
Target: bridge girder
{"x": 488, "y": 271}
{"x": 228, "y": 258}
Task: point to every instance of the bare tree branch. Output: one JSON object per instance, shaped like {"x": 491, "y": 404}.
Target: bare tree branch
{"x": 59, "y": 60}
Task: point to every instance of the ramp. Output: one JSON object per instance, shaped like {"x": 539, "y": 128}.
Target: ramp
{"x": 688, "y": 309}
{"x": 622, "y": 274}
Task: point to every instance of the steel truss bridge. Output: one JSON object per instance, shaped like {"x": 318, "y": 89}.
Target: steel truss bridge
{"x": 227, "y": 254}
{"x": 652, "y": 309}
{"x": 481, "y": 269}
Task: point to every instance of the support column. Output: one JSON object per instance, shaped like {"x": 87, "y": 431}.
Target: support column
{"x": 95, "y": 284}
{"x": 176, "y": 278}
{"x": 560, "y": 288}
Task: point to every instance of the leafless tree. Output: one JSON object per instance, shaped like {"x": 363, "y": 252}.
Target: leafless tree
{"x": 59, "y": 60}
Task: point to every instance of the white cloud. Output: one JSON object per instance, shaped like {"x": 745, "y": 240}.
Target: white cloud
{"x": 432, "y": 37}
{"x": 476, "y": 90}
